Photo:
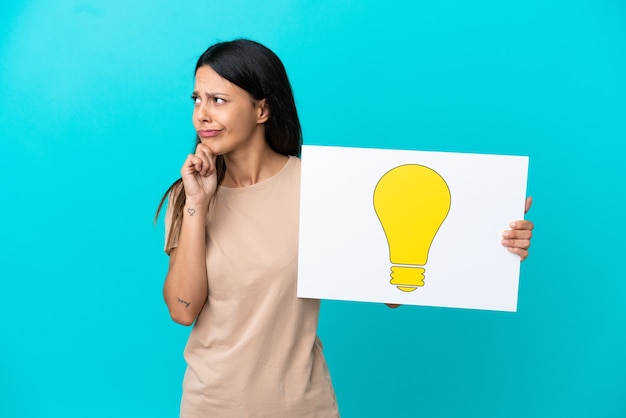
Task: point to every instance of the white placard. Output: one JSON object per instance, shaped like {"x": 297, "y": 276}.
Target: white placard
{"x": 346, "y": 253}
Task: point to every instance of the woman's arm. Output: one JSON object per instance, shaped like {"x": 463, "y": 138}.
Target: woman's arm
{"x": 186, "y": 288}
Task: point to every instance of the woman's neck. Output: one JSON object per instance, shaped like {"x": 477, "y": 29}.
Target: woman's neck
{"x": 248, "y": 168}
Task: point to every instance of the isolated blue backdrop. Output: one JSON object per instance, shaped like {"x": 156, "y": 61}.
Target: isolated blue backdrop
{"x": 95, "y": 122}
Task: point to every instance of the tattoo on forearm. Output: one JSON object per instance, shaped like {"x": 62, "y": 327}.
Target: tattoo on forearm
{"x": 191, "y": 211}
{"x": 184, "y": 302}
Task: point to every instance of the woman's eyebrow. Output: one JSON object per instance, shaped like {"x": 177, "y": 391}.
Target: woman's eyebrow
{"x": 210, "y": 94}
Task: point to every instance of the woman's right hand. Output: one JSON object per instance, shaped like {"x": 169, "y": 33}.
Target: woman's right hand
{"x": 199, "y": 175}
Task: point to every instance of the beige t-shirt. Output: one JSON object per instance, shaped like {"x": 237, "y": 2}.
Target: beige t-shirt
{"x": 254, "y": 351}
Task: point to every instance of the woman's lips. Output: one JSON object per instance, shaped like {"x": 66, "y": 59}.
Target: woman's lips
{"x": 208, "y": 133}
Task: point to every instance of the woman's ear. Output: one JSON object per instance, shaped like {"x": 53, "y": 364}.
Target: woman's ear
{"x": 263, "y": 111}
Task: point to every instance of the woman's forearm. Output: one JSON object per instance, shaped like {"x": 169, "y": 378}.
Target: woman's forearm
{"x": 186, "y": 289}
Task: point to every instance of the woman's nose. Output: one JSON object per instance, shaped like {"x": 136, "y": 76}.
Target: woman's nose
{"x": 203, "y": 113}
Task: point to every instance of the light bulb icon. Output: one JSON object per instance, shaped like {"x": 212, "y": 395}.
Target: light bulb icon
{"x": 411, "y": 202}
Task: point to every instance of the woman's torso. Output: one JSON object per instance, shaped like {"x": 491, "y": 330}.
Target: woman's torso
{"x": 253, "y": 351}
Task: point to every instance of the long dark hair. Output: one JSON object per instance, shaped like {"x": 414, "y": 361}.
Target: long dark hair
{"x": 256, "y": 69}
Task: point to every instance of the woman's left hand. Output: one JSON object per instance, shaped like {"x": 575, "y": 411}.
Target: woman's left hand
{"x": 517, "y": 239}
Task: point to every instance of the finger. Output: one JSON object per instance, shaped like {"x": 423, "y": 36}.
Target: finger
{"x": 517, "y": 234}
{"x": 205, "y": 148}
{"x": 202, "y": 156}
{"x": 206, "y": 162}
{"x": 197, "y": 163}
{"x": 208, "y": 159}
{"x": 520, "y": 252}
{"x": 191, "y": 165}
{"x": 523, "y": 244}
{"x": 522, "y": 225}
{"x": 529, "y": 202}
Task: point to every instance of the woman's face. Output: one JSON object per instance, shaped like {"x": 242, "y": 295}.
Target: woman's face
{"x": 225, "y": 116}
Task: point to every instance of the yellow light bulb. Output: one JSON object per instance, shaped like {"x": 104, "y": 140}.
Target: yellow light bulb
{"x": 411, "y": 202}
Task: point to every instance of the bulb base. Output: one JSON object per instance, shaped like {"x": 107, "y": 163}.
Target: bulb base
{"x": 407, "y": 278}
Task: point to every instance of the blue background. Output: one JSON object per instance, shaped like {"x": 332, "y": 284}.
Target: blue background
{"x": 95, "y": 123}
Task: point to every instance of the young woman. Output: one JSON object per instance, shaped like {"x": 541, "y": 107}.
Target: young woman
{"x": 232, "y": 237}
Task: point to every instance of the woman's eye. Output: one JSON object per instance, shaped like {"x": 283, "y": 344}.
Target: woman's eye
{"x": 219, "y": 100}
{"x": 195, "y": 99}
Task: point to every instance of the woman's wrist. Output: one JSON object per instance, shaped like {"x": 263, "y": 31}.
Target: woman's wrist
{"x": 195, "y": 209}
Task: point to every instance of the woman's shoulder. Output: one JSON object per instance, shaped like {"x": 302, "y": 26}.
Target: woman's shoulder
{"x": 295, "y": 161}
{"x": 294, "y": 166}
